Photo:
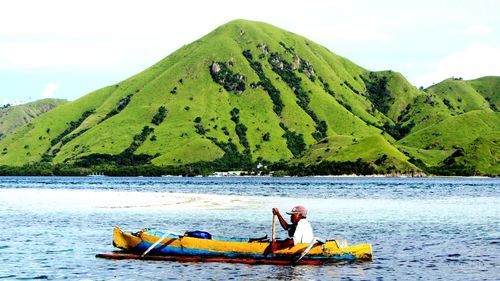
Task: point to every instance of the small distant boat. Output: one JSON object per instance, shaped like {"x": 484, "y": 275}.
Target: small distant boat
{"x": 97, "y": 174}
{"x": 155, "y": 245}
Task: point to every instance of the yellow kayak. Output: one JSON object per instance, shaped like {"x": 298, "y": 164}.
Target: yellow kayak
{"x": 184, "y": 247}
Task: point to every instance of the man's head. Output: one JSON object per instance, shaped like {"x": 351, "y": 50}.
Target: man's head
{"x": 297, "y": 213}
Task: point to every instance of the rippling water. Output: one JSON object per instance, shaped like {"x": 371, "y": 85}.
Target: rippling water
{"x": 419, "y": 228}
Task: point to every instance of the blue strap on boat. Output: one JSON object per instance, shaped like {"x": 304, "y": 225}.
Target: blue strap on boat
{"x": 198, "y": 234}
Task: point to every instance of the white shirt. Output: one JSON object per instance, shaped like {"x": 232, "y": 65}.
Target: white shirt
{"x": 303, "y": 232}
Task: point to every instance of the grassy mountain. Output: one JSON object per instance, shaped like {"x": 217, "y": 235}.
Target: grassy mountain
{"x": 489, "y": 88}
{"x": 458, "y": 134}
{"x": 251, "y": 92}
{"x": 13, "y": 117}
{"x": 375, "y": 150}
{"x": 454, "y": 131}
{"x": 459, "y": 96}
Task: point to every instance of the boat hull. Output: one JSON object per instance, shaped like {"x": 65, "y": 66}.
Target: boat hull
{"x": 182, "y": 248}
{"x": 269, "y": 261}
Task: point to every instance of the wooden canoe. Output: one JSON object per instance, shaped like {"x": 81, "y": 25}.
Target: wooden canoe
{"x": 175, "y": 247}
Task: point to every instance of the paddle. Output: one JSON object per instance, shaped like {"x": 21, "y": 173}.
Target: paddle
{"x": 154, "y": 245}
{"x": 315, "y": 239}
{"x": 158, "y": 242}
{"x": 273, "y": 235}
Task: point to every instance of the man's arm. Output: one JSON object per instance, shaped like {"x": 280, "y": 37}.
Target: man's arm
{"x": 281, "y": 219}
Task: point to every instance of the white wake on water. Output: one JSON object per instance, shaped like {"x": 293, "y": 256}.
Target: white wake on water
{"x": 328, "y": 209}
{"x": 84, "y": 200}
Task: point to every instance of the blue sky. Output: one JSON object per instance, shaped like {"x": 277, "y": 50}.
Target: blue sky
{"x": 66, "y": 49}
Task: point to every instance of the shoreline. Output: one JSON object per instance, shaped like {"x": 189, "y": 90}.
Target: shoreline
{"x": 257, "y": 176}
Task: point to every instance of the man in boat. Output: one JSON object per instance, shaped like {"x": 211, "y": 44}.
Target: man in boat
{"x": 299, "y": 231}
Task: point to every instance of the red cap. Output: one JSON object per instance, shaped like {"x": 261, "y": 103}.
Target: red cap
{"x": 298, "y": 210}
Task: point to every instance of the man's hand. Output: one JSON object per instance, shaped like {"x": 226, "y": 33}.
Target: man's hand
{"x": 275, "y": 211}
{"x": 275, "y": 246}
{"x": 287, "y": 243}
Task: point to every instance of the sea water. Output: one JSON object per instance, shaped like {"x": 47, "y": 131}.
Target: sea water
{"x": 420, "y": 229}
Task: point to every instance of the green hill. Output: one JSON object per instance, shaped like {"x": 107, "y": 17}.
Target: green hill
{"x": 13, "y": 117}
{"x": 483, "y": 153}
{"x": 455, "y": 131}
{"x": 489, "y": 88}
{"x": 436, "y": 143}
{"x": 376, "y": 150}
{"x": 459, "y": 96}
{"x": 250, "y": 92}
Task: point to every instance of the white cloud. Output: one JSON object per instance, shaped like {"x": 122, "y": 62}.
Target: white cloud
{"x": 475, "y": 61}
{"x": 49, "y": 90}
{"x": 477, "y": 30}
{"x": 80, "y": 54}
{"x": 126, "y": 36}
{"x": 116, "y": 34}
{"x": 361, "y": 29}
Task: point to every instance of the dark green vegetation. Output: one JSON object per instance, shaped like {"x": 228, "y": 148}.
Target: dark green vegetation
{"x": 71, "y": 127}
{"x": 223, "y": 75}
{"x": 266, "y": 84}
{"x": 287, "y": 73}
{"x": 241, "y": 130}
{"x": 250, "y": 93}
{"x": 160, "y": 116}
{"x": 119, "y": 107}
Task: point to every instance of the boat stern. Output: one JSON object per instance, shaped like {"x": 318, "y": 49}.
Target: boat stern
{"x": 124, "y": 240}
